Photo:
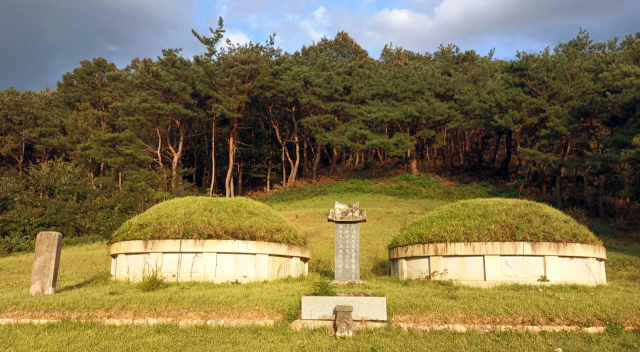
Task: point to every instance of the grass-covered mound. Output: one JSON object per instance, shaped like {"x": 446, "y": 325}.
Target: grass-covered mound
{"x": 494, "y": 220}
{"x": 209, "y": 218}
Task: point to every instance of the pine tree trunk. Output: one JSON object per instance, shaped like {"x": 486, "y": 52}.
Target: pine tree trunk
{"x": 495, "y": 150}
{"x": 504, "y": 167}
{"x": 334, "y": 161}
{"x": 294, "y": 168}
{"x": 414, "y": 162}
{"x": 316, "y": 162}
{"x": 305, "y": 160}
{"x": 159, "y": 148}
{"x": 284, "y": 170}
{"x": 269, "y": 177}
{"x": 213, "y": 157}
{"x": 239, "y": 180}
{"x": 559, "y": 190}
{"x": 228, "y": 185}
{"x": 177, "y": 156}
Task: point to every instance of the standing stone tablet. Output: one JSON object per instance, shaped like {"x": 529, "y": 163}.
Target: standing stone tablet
{"x": 46, "y": 261}
{"x": 347, "y": 219}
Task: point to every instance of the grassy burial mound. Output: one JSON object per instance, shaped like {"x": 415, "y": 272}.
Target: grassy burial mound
{"x": 209, "y": 218}
{"x": 494, "y": 220}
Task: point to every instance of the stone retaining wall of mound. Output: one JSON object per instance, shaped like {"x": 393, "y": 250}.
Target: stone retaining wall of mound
{"x": 492, "y": 263}
{"x": 208, "y": 260}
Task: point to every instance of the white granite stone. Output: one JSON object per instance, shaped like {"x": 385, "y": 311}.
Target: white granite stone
{"x": 464, "y": 268}
{"x": 364, "y": 308}
{"x": 525, "y": 268}
{"x": 418, "y": 268}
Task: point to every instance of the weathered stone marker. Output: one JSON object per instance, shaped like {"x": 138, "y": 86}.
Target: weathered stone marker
{"x": 347, "y": 218}
{"x": 344, "y": 322}
{"x": 46, "y": 261}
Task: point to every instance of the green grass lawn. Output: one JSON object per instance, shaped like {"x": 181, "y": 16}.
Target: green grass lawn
{"x": 386, "y": 215}
{"x": 96, "y": 337}
{"x": 86, "y": 290}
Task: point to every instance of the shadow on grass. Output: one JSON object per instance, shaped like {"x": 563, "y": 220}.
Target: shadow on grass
{"x": 632, "y": 252}
{"x": 100, "y": 279}
{"x": 323, "y": 268}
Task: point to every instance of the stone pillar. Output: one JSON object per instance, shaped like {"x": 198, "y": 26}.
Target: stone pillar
{"x": 44, "y": 275}
{"x": 347, "y": 218}
{"x": 344, "y": 321}
{"x": 403, "y": 269}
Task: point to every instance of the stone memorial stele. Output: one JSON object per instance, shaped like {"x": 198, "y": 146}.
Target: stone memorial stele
{"x": 347, "y": 219}
{"x": 344, "y": 310}
{"x": 46, "y": 261}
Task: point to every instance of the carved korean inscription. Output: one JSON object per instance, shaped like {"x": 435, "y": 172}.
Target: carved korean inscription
{"x": 347, "y": 219}
{"x": 347, "y": 251}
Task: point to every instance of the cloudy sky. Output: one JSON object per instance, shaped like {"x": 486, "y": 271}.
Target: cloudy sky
{"x": 42, "y": 39}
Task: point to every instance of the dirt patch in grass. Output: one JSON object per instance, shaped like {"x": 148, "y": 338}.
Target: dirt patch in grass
{"x": 127, "y": 314}
{"x": 540, "y": 320}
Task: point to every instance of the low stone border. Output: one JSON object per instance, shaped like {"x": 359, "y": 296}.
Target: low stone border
{"x": 208, "y": 260}
{"x": 500, "y": 248}
{"x": 316, "y": 324}
{"x": 488, "y": 264}
{"x": 151, "y": 322}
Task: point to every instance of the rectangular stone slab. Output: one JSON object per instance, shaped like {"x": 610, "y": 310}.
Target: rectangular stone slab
{"x": 323, "y": 308}
{"x": 44, "y": 275}
{"x": 347, "y": 251}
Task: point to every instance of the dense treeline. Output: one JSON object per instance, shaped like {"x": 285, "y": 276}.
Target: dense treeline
{"x": 109, "y": 142}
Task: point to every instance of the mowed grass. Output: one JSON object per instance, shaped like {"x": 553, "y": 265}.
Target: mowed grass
{"x": 386, "y": 215}
{"x": 86, "y": 290}
{"x": 96, "y": 337}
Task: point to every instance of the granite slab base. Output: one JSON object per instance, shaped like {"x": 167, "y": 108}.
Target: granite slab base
{"x": 364, "y": 308}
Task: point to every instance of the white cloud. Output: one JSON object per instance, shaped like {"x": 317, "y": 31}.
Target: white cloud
{"x": 308, "y": 29}
{"x": 320, "y": 20}
{"x": 320, "y": 14}
{"x": 472, "y": 22}
{"x": 237, "y": 37}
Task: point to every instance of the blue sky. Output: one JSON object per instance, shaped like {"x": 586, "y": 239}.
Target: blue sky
{"x": 43, "y": 39}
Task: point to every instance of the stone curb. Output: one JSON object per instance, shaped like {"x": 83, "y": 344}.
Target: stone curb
{"x": 315, "y": 324}
{"x": 151, "y": 322}
{"x": 489, "y": 328}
